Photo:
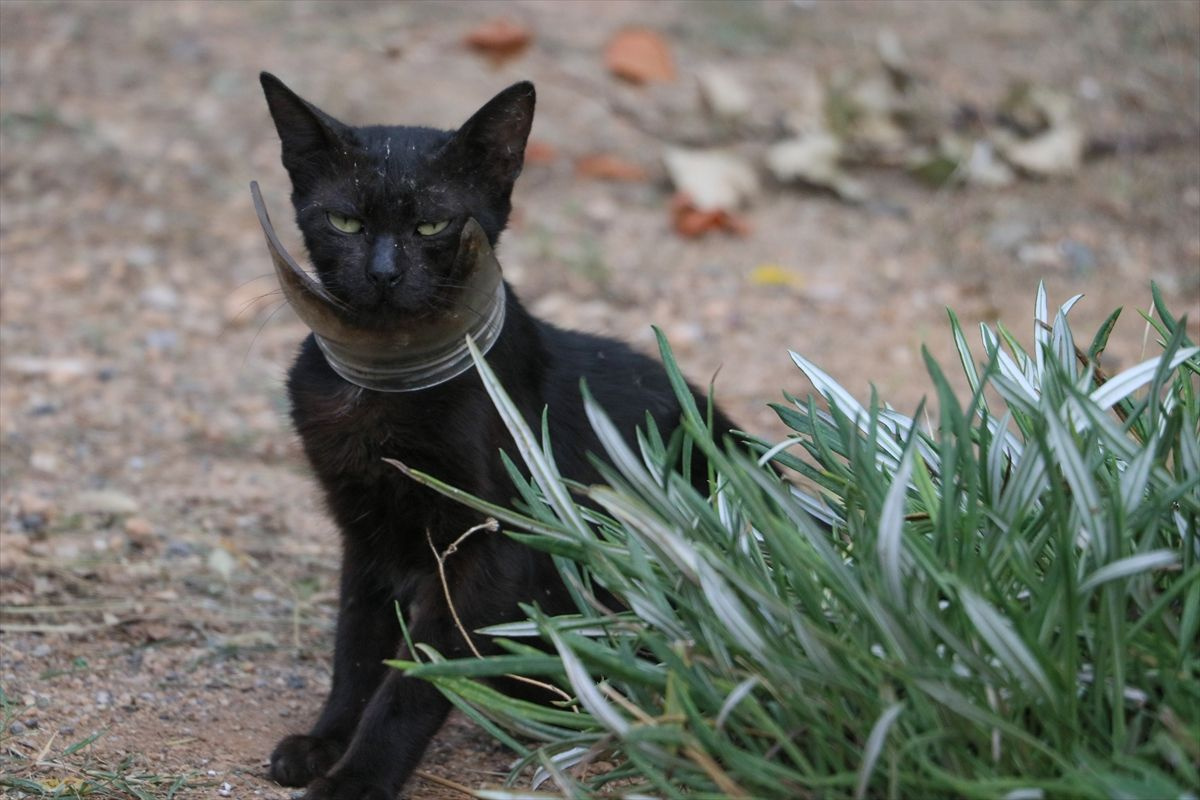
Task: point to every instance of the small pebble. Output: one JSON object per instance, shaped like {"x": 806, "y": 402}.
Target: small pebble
{"x": 141, "y": 256}
{"x": 226, "y": 790}
{"x": 41, "y": 651}
{"x": 1081, "y": 257}
{"x": 103, "y": 697}
{"x": 177, "y": 548}
{"x": 139, "y": 528}
{"x": 1008, "y": 234}
{"x": 16, "y": 728}
{"x": 162, "y": 339}
{"x": 161, "y": 298}
{"x": 33, "y": 523}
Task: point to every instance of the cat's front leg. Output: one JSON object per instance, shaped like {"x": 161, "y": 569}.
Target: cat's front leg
{"x": 405, "y": 712}
{"x": 367, "y": 633}
{"x": 392, "y": 735}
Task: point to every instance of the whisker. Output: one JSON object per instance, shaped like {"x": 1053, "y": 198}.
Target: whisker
{"x": 246, "y": 306}
{"x": 257, "y": 333}
{"x": 230, "y": 324}
{"x": 258, "y": 277}
{"x": 331, "y": 288}
{"x": 462, "y": 287}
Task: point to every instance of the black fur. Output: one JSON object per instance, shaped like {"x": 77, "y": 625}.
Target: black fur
{"x": 376, "y": 723}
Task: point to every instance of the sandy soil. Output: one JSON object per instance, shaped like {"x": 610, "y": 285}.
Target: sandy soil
{"x": 167, "y": 572}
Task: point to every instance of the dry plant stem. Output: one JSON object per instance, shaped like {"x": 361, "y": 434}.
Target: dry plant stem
{"x": 299, "y": 605}
{"x": 446, "y": 782}
{"x": 623, "y": 702}
{"x": 45, "y": 748}
{"x": 120, "y": 605}
{"x": 489, "y": 524}
{"x": 64, "y": 628}
{"x": 714, "y": 771}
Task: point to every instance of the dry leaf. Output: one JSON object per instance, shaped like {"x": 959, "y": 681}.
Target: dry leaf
{"x": 605, "y": 167}
{"x": 139, "y": 529}
{"x": 499, "y": 39}
{"x": 539, "y": 152}
{"x": 150, "y": 631}
{"x": 105, "y": 501}
{"x": 1057, "y": 151}
{"x": 894, "y": 59}
{"x": 712, "y": 179}
{"x": 58, "y": 370}
{"x": 221, "y": 562}
{"x": 984, "y": 168}
{"x": 694, "y": 222}
{"x": 814, "y": 159}
{"x": 806, "y": 103}
{"x": 875, "y": 107}
{"x": 1042, "y": 136}
{"x": 723, "y": 94}
{"x": 59, "y": 785}
{"x": 639, "y": 55}
{"x": 776, "y": 275}
{"x": 957, "y": 159}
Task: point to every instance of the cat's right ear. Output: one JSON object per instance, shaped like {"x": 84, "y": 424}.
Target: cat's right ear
{"x": 493, "y": 139}
{"x": 305, "y": 130}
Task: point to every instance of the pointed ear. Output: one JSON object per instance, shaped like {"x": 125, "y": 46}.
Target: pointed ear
{"x": 493, "y": 139}
{"x": 305, "y": 130}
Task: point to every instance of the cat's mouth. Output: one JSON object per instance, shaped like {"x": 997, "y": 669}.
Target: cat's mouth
{"x": 398, "y": 352}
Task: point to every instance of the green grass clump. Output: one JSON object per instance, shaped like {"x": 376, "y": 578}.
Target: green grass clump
{"x": 1001, "y": 602}
{"x": 54, "y": 773}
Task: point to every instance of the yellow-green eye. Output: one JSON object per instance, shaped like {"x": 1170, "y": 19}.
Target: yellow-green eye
{"x": 344, "y": 224}
{"x": 430, "y": 228}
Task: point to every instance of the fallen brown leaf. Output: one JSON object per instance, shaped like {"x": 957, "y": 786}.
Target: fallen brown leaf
{"x": 606, "y": 167}
{"x": 640, "y": 55}
{"x": 694, "y": 222}
{"x": 150, "y": 631}
{"x": 539, "y": 152}
{"x": 500, "y": 39}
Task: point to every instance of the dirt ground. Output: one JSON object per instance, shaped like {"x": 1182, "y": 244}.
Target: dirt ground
{"x": 167, "y": 571}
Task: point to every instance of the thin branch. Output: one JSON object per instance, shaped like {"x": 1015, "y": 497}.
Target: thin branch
{"x": 490, "y": 524}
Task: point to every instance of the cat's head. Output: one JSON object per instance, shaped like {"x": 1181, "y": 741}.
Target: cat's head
{"x": 382, "y": 207}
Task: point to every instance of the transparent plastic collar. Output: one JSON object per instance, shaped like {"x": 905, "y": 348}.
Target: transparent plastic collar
{"x": 402, "y": 354}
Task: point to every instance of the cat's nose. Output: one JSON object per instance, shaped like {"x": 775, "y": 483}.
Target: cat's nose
{"x": 382, "y": 269}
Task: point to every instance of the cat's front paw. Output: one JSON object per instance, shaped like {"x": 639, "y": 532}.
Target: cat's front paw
{"x": 299, "y": 759}
{"x": 345, "y": 787}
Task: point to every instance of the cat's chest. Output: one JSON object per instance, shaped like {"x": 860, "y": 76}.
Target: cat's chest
{"x": 350, "y": 433}
{"x": 353, "y": 429}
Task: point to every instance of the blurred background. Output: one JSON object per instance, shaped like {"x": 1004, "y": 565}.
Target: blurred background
{"x": 751, "y": 177}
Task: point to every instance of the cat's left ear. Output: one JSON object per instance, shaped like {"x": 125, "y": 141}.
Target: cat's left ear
{"x": 494, "y": 137}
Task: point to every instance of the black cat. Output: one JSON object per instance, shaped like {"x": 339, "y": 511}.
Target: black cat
{"x": 385, "y": 213}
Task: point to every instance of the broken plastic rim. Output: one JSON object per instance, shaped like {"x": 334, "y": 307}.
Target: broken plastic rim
{"x": 401, "y": 354}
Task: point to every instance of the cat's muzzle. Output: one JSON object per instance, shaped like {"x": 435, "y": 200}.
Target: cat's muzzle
{"x": 401, "y": 354}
